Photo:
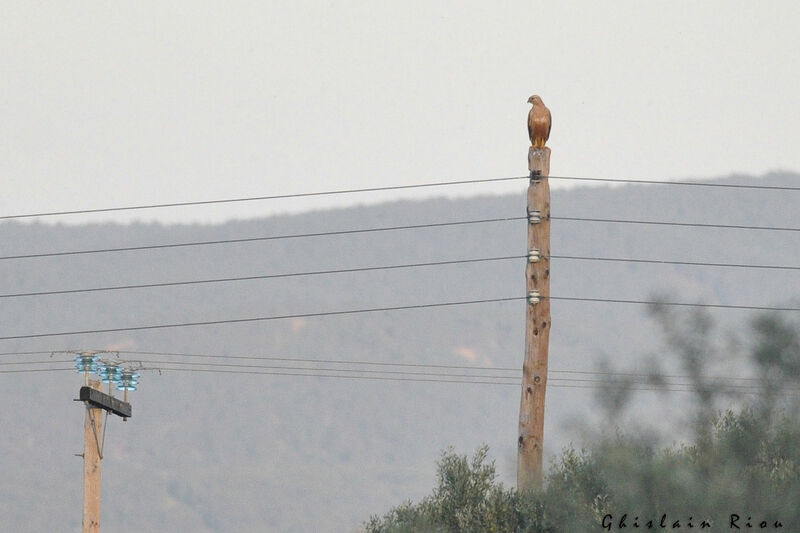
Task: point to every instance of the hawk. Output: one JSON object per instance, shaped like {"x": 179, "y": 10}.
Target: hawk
{"x": 539, "y": 122}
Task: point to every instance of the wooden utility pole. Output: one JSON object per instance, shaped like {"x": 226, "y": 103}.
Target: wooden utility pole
{"x": 537, "y": 323}
{"x": 92, "y": 455}
{"x": 95, "y": 402}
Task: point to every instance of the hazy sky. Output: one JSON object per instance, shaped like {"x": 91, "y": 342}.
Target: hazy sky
{"x": 118, "y": 103}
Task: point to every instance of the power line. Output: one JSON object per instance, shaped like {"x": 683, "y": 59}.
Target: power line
{"x": 408, "y": 365}
{"x": 46, "y": 362}
{"x": 681, "y": 183}
{"x": 666, "y": 262}
{"x": 685, "y": 224}
{"x": 387, "y": 228}
{"x": 341, "y": 376}
{"x": 680, "y": 304}
{"x": 325, "y": 369}
{"x": 323, "y": 361}
{"x": 386, "y": 267}
{"x": 261, "y": 277}
{"x": 388, "y": 188}
{"x": 593, "y": 385}
{"x": 36, "y": 370}
{"x": 349, "y": 362}
{"x": 395, "y": 308}
{"x": 260, "y": 198}
{"x": 596, "y": 385}
{"x": 515, "y": 377}
{"x": 426, "y": 377}
{"x": 7, "y": 354}
{"x": 264, "y": 238}
{"x": 261, "y": 319}
{"x": 649, "y": 376}
{"x": 659, "y": 385}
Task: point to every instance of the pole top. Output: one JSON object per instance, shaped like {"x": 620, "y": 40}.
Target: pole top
{"x": 539, "y": 161}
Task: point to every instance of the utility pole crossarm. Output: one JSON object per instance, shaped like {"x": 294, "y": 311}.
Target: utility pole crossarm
{"x": 101, "y": 400}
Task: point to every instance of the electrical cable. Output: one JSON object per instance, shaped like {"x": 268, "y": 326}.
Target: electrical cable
{"x": 681, "y": 183}
{"x": 413, "y": 365}
{"x": 260, "y": 277}
{"x": 515, "y": 377}
{"x": 323, "y": 361}
{"x": 47, "y": 362}
{"x": 680, "y": 304}
{"x": 257, "y": 239}
{"x": 390, "y": 188}
{"x": 395, "y": 308}
{"x": 36, "y": 370}
{"x": 264, "y": 318}
{"x": 260, "y": 198}
{"x": 388, "y": 228}
{"x": 324, "y": 369}
{"x": 468, "y": 379}
{"x": 666, "y": 262}
{"x": 630, "y": 387}
{"x": 682, "y": 224}
{"x": 6, "y": 354}
{"x": 389, "y": 364}
{"x": 386, "y": 267}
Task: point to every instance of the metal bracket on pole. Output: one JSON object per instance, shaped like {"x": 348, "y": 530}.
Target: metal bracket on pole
{"x": 536, "y": 176}
{"x": 94, "y": 430}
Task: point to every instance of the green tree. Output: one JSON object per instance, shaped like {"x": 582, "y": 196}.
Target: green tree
{"x": 743, "y": 466}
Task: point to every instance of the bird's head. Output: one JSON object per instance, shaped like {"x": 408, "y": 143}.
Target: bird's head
{"x": 534, "y": 99}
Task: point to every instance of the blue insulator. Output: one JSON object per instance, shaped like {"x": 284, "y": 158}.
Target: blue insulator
{"x": 129, "y": 380}
{"x": 117, "y": 377}
{"x": 110, "y": 372}
{"x": 86, "y": 363}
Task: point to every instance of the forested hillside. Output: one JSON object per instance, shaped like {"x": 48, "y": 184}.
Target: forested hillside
{"x": 213, "y": 452}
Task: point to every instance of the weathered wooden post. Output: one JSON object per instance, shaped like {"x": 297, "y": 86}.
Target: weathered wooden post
{"x": 537, "y": 322}
{"x": 92, "y": 461}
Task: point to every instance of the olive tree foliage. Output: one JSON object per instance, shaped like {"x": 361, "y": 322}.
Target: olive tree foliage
{"x": 467, "y": 499}
{"x": 742, "y": 463}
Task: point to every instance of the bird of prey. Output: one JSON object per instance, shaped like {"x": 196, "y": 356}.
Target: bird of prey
{"x": 539, "y": 122}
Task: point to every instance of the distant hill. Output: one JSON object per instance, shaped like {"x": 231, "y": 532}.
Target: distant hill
{"x": 213, "y": 452}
